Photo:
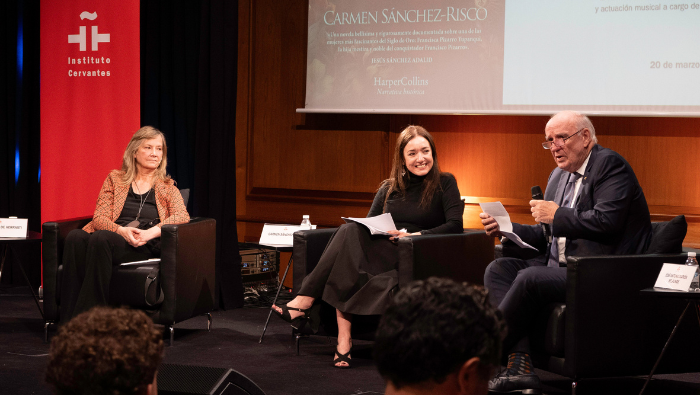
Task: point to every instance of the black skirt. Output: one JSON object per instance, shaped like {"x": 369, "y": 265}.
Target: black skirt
{"x": 356, "y": 273}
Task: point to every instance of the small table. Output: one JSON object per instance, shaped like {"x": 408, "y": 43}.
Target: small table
{"x": 6, "y": 243}
{"x": 278, "y": 248}
{"x": 691, "y": 297}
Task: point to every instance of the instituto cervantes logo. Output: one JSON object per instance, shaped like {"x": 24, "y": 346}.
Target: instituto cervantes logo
{"x": 89, "y": 62}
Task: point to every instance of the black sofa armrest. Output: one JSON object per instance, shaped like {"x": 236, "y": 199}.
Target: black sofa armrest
{"x": 52, "y": 236}
{"x": 308, "y": 246}
{"x": 461, "y": 257}
{"x": 612, "y": 330}
{"x": 187, "y": 269}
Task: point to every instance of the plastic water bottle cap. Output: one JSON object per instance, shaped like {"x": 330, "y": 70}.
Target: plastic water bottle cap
{"x": 307, "y": 217}
{"x": 691, "y": 253}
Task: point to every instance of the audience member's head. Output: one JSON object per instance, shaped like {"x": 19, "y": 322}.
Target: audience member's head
{"x": 439, "y": 336}
{"x": 106, "y": 351}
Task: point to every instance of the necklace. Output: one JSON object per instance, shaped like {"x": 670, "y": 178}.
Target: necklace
{"x": 135, "y": 223}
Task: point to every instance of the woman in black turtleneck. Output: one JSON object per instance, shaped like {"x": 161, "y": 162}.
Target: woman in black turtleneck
{"x": 357, "y": 271}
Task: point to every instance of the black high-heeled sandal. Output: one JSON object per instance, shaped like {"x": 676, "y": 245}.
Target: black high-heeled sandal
{"x": 342, "y": 358}
{"x": 310, "y": 314}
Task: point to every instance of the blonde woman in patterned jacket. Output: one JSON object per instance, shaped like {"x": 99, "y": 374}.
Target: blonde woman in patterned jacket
{"x": 133, "y": 204}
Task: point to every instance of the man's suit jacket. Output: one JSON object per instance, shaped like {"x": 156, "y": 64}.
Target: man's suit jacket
{"x": 610, "y": 215}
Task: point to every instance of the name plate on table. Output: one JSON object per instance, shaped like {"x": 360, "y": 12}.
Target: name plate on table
{"x": 278, "y": 235}
{"x": 674, "y": 276}
{"x": 13, "y": 227}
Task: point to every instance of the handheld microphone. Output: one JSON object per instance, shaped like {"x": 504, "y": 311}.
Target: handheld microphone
{"x": 537, "y": 195}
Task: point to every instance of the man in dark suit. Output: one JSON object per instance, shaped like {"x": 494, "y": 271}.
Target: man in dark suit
{"x": 593, "y": 205}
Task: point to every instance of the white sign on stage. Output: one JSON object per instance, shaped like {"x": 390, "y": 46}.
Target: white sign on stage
{"x": 675, "y": 276}
{"x": 278, "y": 235}
{"x": 13, "y": 227}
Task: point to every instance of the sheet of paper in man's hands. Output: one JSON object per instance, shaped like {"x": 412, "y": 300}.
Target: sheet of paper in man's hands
{"x": 499, "y": 213}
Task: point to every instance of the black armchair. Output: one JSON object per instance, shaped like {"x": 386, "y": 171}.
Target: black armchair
{"x": 185, "y": 273}
{"x": 461, "y": 257}
{"x": 606, "y": 327}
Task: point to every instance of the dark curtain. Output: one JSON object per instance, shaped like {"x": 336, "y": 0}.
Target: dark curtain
{"x": 19, "y": 111}
{"x": 189, "y": 52}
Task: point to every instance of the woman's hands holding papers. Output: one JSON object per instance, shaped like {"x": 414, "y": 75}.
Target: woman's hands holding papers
{"x": 397, "y": 234}
{"x": 490, "y": 225}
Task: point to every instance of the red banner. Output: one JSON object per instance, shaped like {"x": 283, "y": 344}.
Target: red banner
{"x": 90, "y": 99}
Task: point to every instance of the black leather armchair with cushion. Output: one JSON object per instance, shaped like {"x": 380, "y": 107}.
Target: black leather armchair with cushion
{"x": 461, "y": 257}
{"x": 181, "y": 286}
{"x": 606, "y": 327}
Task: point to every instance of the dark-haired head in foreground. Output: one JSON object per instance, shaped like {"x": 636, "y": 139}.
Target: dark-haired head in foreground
{"x": 106, "y": 351}
{"x": 439, "y": 336}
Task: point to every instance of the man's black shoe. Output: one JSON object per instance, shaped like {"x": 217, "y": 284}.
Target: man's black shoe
{"x": 505, "y": 383}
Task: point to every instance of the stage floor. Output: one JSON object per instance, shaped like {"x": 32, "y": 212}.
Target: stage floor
{"x": 272, "y": 365}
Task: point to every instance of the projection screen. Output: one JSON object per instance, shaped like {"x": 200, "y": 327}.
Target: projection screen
{"x": 611, "y": 57}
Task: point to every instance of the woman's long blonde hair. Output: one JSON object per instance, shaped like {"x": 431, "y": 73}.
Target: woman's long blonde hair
{"x": 398, "y": 180}
{"x": 129, "y": 160}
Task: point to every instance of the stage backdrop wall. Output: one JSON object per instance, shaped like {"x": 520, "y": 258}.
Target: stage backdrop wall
{"x": 89, "y": 99}
{"x": 330, "y": 165}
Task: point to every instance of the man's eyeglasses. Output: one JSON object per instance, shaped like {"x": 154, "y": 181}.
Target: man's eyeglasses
{"x": 549, "y": 144}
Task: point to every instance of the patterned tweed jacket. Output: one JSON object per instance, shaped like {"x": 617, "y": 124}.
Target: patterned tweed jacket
{"x": 110, "y": 203}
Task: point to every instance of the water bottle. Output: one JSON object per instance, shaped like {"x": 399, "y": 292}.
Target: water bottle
{"x": 306, "y": 225}
{"x": 691, "y": 261}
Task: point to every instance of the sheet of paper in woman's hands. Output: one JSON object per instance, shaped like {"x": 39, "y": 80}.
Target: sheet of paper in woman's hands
{"x": 499, "y": 213}
{"x": 378, "y": 225}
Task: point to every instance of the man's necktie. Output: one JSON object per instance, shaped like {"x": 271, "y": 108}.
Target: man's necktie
{"x": 568, "y": 197}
